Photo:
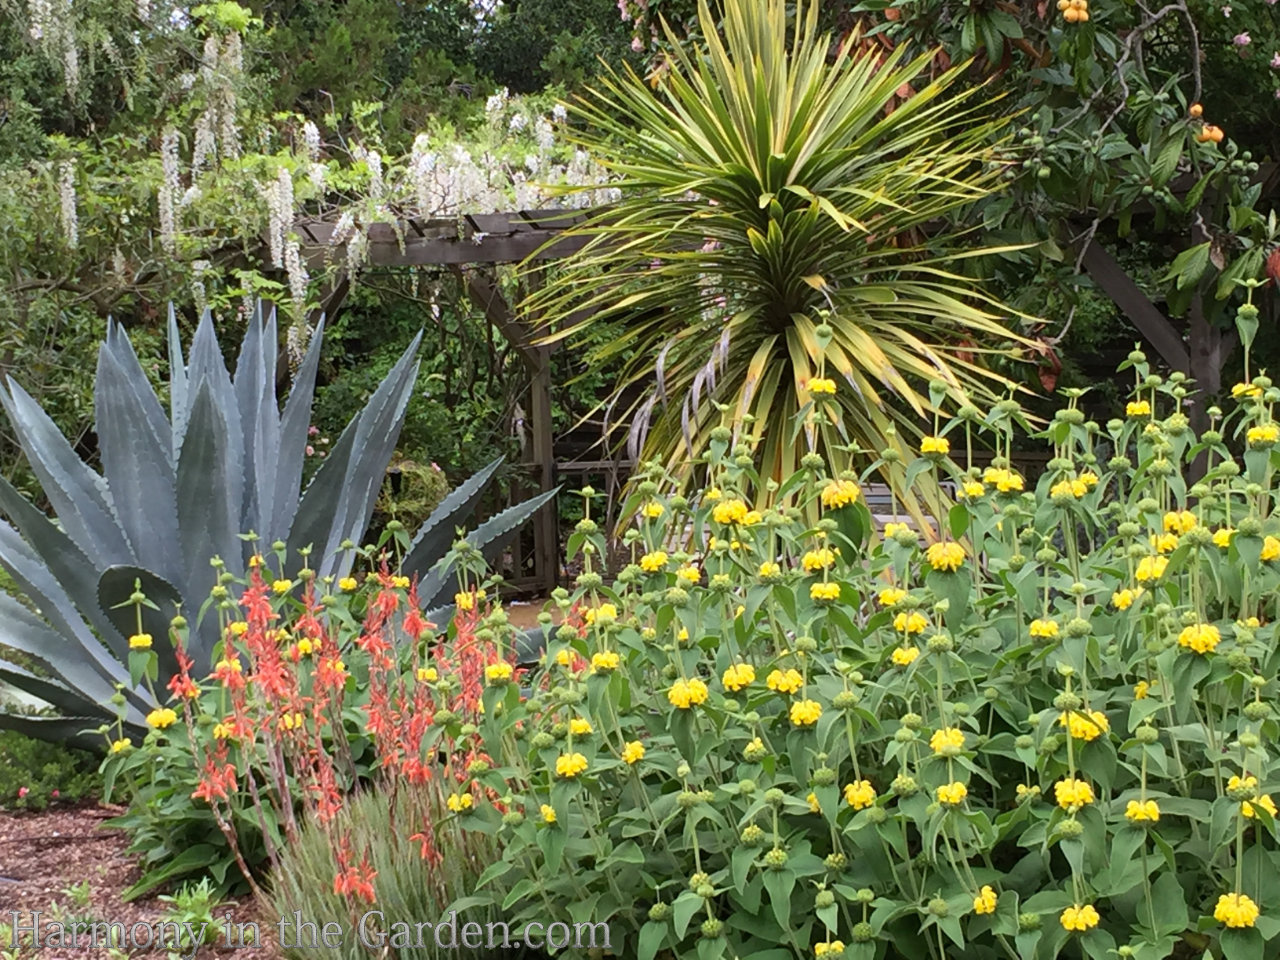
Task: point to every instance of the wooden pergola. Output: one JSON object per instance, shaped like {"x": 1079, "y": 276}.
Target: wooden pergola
{"x": 462, "y": 244}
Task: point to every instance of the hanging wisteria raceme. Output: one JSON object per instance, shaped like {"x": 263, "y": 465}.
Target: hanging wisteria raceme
{"x": 298, "y": 277}
{"x": 170, "y": 184}
{"x": 67, "y": 202}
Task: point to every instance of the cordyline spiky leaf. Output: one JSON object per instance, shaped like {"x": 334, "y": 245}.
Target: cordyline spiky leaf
{"x": 179, "y": 489}
{"x": 764, "y": 188}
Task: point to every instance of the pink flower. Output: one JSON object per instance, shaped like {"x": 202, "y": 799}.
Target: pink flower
{"x": 311, "y": 451}
{"x": 1241, "y": 39}
{"x": 54, "y": 794}
{"x": 313, "y": 431}
{"x": 622, "y": 9}
{"x": 1275, "y": 61}
{"x": 637, "y": 44}
{"x": 22, "y": 792}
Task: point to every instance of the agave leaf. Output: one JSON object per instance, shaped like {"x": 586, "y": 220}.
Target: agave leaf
{"x": 67, "y": 563}
{"x": 209, "y": 499}
{"x": 341, "y": 496}
{"x": 293, "y": 439}
{"x": 60, "y": 654}
{"x": 52, "y": 692}
{"x": 530, "y": 645}
{"x": 255, "y": 388}
{"x": 74, "y": 731}
{"x": 77, "y": 494}
{"x": 437, "y": 532}
{"x": 114, "y": 589}
{"x": 489, "y": 538}
{"x": 144, "y": 397}
{"x": 138, "y": 468}
{"x": 43, "y": 589}
{"x": 207, "y": 366}
{"x": 177, "y": 384}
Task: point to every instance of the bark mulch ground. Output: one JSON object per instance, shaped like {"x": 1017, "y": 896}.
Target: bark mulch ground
{"x": 45, "y": 856}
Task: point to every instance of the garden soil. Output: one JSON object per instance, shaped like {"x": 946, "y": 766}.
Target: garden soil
{"x": 43, "y": 855}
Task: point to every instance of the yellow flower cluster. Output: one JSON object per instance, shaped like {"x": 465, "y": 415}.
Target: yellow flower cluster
{"x": 1137, "y": 408}
{"x": 687, "y": 693}
{"x": 822, "y": 386}
{"x": 1164, "y": 542}
{"x": 1077, "y": 918}
{"x": 1179, "y": 522}
{"x": 913, "y": 622}
{"x": 1151, "y": 568}
{"x": 1084, "y": 726}
{"x": 730, "y": 512}
{"x": 1236, "y": 910}
{"x": 859, "y": 794}
{"x": 1142, "y": 811}
{"x": 162, "y": 718}
{"x": 1072, "y": 794}
{"x": 605, "y": 661}
{"x": 891, "y": 596}
{"x": 985, "y": 901}
{"x": 653, "y": 510}
{"x": 947, "y": 741}
{"x": 347, "y": 584}
{"x": 1270, "y": 549}
{"x": 1044, "y": 629}
{"x": 951, "y": 794}
{"x": 1123, "y": 599}
{"x": 839, "y": 493}
{"x": 633, "y": 752}
{"x": 1200, "y": 637}
{"x": 788, "y": 682}
{"x": 140, "y": 641}
{"x": 827, "y": 592}
{"x": 548, "y": 813}
{"x": 579, "y": 726}
{"x": 972, "y": 489}
{"x": 604, "y": 614}
{"x": 948, "y": 557}
{"x": 738, "y": 676}
{"x": 905, "y": 656}
{"x": 653, "y": 562}
{"x": 1003, "y": 479}
{"x": 497, "y": 673}
{"x": 569, "y": 765}
{"x": 1263, "y": 435}
{"x": 458, "y": 802}
{"x": 805, "y": 713}
{"x": 833, "y": 949}
{"x": 818, "y": 559}
{"x": 937, "y": 446}
{"x": 1070, "y": 489}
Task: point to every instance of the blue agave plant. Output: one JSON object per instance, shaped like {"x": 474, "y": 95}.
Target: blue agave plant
{"x": 177, "y": 490}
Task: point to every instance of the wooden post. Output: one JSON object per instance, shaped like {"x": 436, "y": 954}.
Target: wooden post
{"x": 546, "y": 534}
{"x": 546, "y": 527}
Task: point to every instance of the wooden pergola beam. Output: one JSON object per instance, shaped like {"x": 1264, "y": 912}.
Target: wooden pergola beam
{"x": 471, "y": 239}
{"x": 1137, "y": 306}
